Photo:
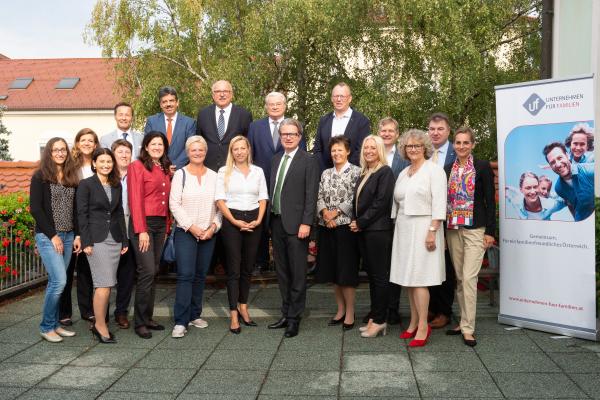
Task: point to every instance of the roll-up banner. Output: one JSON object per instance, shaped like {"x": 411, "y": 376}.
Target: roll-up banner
{"x": 546, "y": 192}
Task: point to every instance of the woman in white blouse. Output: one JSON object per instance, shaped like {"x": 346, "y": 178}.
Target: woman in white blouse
{"x": 242, "y": 199}
{"x": 192, "y": 202}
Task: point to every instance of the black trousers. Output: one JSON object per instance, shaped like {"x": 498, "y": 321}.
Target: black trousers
{"x": 376, "y": 252}
{"x": 290, "y": 255}
{"x": 85, "y": 288}
{"x": 147, "y": 266}
{"x": 125, "y": 281}
{"x": 240, "y": 255}
{"x": 394, "y": 296}
{"x": 442, "y": 296}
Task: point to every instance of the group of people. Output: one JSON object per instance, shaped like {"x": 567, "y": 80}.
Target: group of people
{"x": 573, "y": 163}
{"x": 379, "y": 201}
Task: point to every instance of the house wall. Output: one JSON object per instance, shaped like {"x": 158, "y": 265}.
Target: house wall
{"x": 32, "y": 129}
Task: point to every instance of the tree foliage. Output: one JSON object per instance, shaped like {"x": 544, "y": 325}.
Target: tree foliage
{"x": 4, "y": 145}
{"x": 404, "y": 58}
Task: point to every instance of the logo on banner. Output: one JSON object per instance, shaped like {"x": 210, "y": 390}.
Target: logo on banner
{"x": 534, "y": 104}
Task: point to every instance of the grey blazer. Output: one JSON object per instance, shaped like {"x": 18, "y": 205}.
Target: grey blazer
{"x": 108, "y": 139}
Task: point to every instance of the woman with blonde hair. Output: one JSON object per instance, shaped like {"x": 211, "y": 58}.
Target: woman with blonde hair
{"x": 372, "y": 208}
{"x": 242, "y": 199}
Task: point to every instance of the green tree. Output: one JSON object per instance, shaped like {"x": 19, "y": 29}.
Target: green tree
{"x": 404, "y": 58}
{"x": 4, "y": 133}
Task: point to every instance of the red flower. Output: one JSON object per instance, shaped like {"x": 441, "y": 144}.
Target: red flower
{"x": 19, "y": 232}
{"x": 12, "y": 221}
{"x": 6, "y": 269}
{"x": 3, "y": 212}
{"x": 18, "y": 240}
{"x": 27, "y": 209}
{"x": 20, "y": 199}
{"x": 3, "y": 260}
{"x": 5, "y": 242}
{"x": 27, "y": 243}
{"x": 14, "y": 272}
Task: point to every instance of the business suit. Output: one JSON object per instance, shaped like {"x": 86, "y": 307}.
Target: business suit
{"x": 206, "y": 126}
{"x": 107, "y": 140}
{"x": 263, "y": 151}
{"x": 442, "y": 296}
{"x": 184, "y": 128}
{"x": 372, "y": 210}
{"x": 358, "y": 128}
{"x": 398, "y": 164}
{"x": 298, "y": 202}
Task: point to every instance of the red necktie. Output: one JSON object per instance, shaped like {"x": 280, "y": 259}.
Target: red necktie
{"x": 169, "y": 130}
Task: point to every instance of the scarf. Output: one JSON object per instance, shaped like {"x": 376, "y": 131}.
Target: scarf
{"x": 461, "y": 193}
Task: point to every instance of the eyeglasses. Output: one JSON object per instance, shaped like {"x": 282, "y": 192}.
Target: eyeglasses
{"x": 288, "y": 134}
{"x": 339, "y": 96}
{"x": 221, "y": 91}
{"x": 413, "y": 146}
{"x": 60, "y": 151}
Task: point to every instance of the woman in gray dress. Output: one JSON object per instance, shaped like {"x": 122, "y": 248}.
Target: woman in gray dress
{"x": 103, "y": 233}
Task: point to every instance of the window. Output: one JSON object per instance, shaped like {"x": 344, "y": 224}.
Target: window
{"x": 3, "y": 96}
{"x": 20, "y": 83}
{"x": 67, "y": 83}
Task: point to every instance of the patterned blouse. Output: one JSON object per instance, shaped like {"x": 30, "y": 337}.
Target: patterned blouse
{"x": 336, "y": 191}
{"x": 62, "y": 206}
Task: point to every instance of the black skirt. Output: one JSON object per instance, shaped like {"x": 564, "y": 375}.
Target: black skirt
{"x": 338, "y": 256}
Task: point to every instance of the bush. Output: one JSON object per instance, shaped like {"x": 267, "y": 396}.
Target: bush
{"x": 16, "y": 231}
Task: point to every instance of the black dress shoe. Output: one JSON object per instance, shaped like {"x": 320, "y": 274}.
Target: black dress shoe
{"x": 366, "y": 318}
{"x": 334, "y": 322}
{"x": 143, "y": 332}
{"x": 292, "y": 329}
{"x": 393, "y": 317}
{"x": 282, "y": 323}
{"x": 155, "y": 326}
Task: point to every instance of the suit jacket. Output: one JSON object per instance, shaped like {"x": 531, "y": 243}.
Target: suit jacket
{"x": 299, "y": 191}
{"x": 261, "y": 142}
{"x": 450, "y": 155}
{"x": 184, "y": 128}
{"x": 206, "y": 126}
{"x": 484, "y": 207}
{"x": 137, "y": 137}
{"x": 398, "y": 164}
{"x": 359, "y": 127}
{"x": 374, "y": 206}
{"x": 97, "y": 216}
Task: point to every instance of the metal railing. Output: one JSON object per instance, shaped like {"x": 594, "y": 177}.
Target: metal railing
{"x": 20, "y": 265}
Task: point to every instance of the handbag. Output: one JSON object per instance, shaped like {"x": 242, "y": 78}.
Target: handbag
{"x": 168, "y": 254}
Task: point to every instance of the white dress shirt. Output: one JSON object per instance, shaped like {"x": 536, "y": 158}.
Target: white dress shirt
{"x": 173, "y": 122}
{"x": 226, "y": 114}
{"x": 243, "y": 192}
{"x": 390, "y": 156}
{"x": 442, "y": 153}
{"x": 338, "y": 125}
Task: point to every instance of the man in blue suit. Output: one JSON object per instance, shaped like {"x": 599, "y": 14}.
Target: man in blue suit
{"x": 263, "y": 135}
{"x": 342, "y": 121}
{"x": 442, "y": 296}
{"x": 176, "y": 127}
{"x": 388, "y": 130}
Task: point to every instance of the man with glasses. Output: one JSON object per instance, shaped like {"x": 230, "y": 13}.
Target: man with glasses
{"x": 342, "y": 121}
{"x": 220, "y": 122}
{"x": 294, "y": 184}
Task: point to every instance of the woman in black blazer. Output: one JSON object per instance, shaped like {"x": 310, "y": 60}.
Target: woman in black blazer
{"x": 372, "y": 210}
{"x": 103, "y": 233}
{"x": 470, "y": 225}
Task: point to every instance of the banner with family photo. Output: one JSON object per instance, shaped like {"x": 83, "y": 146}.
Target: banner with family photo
{"x": 546, "y": 192}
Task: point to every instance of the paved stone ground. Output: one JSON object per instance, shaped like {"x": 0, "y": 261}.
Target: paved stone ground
{"x": 321, "y": 363}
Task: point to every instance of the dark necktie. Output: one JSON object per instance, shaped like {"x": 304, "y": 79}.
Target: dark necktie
{"x": 221, "y": 125}
{"x": 275, "y": 134}
{"x": 279, "y": 185}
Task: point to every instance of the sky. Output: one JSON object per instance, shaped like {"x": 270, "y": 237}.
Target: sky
{"x": 45, "y": 28}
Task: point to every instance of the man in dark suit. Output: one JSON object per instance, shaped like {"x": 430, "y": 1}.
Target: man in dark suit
{"x": 220, "y": 122}
{"x": 175, "y": 126}
{"x": 442, "y": 296}
{"x": 263, "y": 135}
{"x": 388, "y": 130}
{"x": 294, "y": 185}
{"x": 124, "y": 117}
{"x": 342, "y": 121}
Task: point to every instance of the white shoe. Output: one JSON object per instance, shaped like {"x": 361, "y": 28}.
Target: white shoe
{"x": 179, "y": 331}
{"x": 199, "y": 323}
{"x": 51, "y": 336}
{"x": 64, "y": 333}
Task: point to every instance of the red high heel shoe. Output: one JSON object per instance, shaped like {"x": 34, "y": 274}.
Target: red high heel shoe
{"x": 408, "y": 334}
{"x": 420, "y": 342}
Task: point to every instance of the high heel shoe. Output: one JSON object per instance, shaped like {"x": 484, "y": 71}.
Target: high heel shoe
{"x": 347, "y": 327}
{"x": 334, "y": 322}
{"x": 103, "y": 339}
{"x": 421, "y": 342}
{"x": 408, "y": 334}
{"x": 366, "y": 327}
{"x": 236, "y": 331}
{"x": 247, "y": 323}
{"x": 375, "y": 330}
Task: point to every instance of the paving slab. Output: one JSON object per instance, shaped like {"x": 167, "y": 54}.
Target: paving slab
{"x": 176, "y": 359}
{"x": 136, "y": 396}
{"x": 518, "y": 362}
{"x": 589, "y": 383}
{"x": 537, "y": 385}
{"x": 9, "y": 393}
{"x": 378, "y": 384}
{"x": 216, "y": 382}
{"x": 109, "y": 356}
{"x": 446, "y": 362}
{"x": 58, "y": 394}
{"x": 48, "y": 353}
{"x": 457, "y": 384}
{"x": 374, "y": 362}
{"x": 577, "y": 363}
{"x": 306, "y": 383}
{"x": 8, "y": 350}
{"x": 306, "y": 360}
{"x": 83, "y": 378}
{"x": 153, "y": 380}
{"x": 24, "y": 375}
{"x": 231, "y": 360}
{"x": 564, "y": 345}
{"x": 258, "y": 338}
{"x": 505, "y": 344}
